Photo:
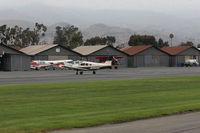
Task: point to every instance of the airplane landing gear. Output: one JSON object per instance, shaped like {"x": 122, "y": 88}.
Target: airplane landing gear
{"x": 81, "y": 73}
{"x": 94, "y": 72}
{"x": 76, "y": 72}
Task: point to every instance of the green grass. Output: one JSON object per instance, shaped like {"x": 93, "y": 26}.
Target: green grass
{"x": 47, "y": 106}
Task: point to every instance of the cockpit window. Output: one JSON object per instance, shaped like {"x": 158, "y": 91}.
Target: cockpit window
{"x": 71, "y": 62}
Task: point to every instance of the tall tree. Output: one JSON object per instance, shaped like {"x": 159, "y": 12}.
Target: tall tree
{"x": 68, "y": 36}
{"x": 39, "y": 32}
{"x": 3, "y": 34}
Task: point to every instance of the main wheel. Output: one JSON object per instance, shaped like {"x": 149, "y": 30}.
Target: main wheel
{"x": 81, "y": 73}
{"x": 94, "y": 72}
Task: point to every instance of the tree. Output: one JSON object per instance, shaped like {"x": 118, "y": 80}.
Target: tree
{"x": 109, "y": 40}
{"x": 94, "y": 41}
{"x": 161, "y": 43}
{"x": 188, "y": 43}
{"x": 59, "y": 38}
{"x": 76, "y": 40}
{"x": 29, "y": 37}
{"x": 39, "y": 32}
{"x": 136, "y": 40}
{"x": 68, "y": 36}
{"x": 18, "y": 36}
{"x": 3, "y": 34}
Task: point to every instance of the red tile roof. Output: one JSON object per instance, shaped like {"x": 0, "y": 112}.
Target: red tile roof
{"x": 133, "y": 50}
{"x": 175, "y": 49}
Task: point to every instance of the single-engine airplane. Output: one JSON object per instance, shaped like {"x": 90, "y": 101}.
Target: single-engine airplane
{"x": 81, "y": 66}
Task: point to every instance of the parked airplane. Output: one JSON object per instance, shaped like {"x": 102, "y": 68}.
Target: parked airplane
{"x": 191, "y": 62}
{"x": 45, "y": 64}
{"x": 81, "y": 66}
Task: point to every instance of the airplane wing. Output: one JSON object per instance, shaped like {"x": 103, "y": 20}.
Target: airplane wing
{"x": 82, "y": 68}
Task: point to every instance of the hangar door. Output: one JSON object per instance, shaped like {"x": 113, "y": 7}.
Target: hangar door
{"x": 57, "y": 57}
{"x": 1, "y": 61}
{"x": 152, "y": 60}
{"x": 5, "y": 63}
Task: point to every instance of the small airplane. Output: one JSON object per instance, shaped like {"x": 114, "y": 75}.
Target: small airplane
{"x": 81, "y": 66}
{"x": 46, "y": 64}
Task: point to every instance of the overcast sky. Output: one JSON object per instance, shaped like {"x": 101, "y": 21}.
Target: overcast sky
{"x": 153, "y": 5}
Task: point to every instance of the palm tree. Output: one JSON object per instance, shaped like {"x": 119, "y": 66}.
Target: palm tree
{"x": 171, "y": 37}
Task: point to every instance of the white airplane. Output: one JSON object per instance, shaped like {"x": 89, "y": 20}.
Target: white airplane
{"x": 81, "y": 66}
{"x": 46, "y": 64}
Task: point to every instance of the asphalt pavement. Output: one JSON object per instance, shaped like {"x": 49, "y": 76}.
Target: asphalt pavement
{"x": 17, "y": 77}
{"x": 185, "y": 123}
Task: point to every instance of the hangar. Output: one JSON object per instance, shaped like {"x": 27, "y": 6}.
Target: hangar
{"x": 50, "y": 52}
{"x": 94, "y": 53}
{"x": 13, "y": 60}
{"x": 146, "y": 56}
{"x": 178, "y": 54}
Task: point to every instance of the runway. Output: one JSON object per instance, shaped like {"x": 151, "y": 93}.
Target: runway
{"x": 185, "y": 123}
{"x": 108, "y": 74}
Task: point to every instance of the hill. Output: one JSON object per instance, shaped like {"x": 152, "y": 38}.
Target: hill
{"x": 122, "y": 34}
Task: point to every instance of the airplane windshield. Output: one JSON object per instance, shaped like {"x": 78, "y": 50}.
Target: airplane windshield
{"x": 71, "y": 62}
{"x": 75, "y": 62}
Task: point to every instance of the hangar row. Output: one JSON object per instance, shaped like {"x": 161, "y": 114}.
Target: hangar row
{"x": 132, "y": 56}
{"x": 149, "y": 56}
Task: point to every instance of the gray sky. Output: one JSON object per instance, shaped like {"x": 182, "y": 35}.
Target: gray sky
{"x": 153, "y": 5}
